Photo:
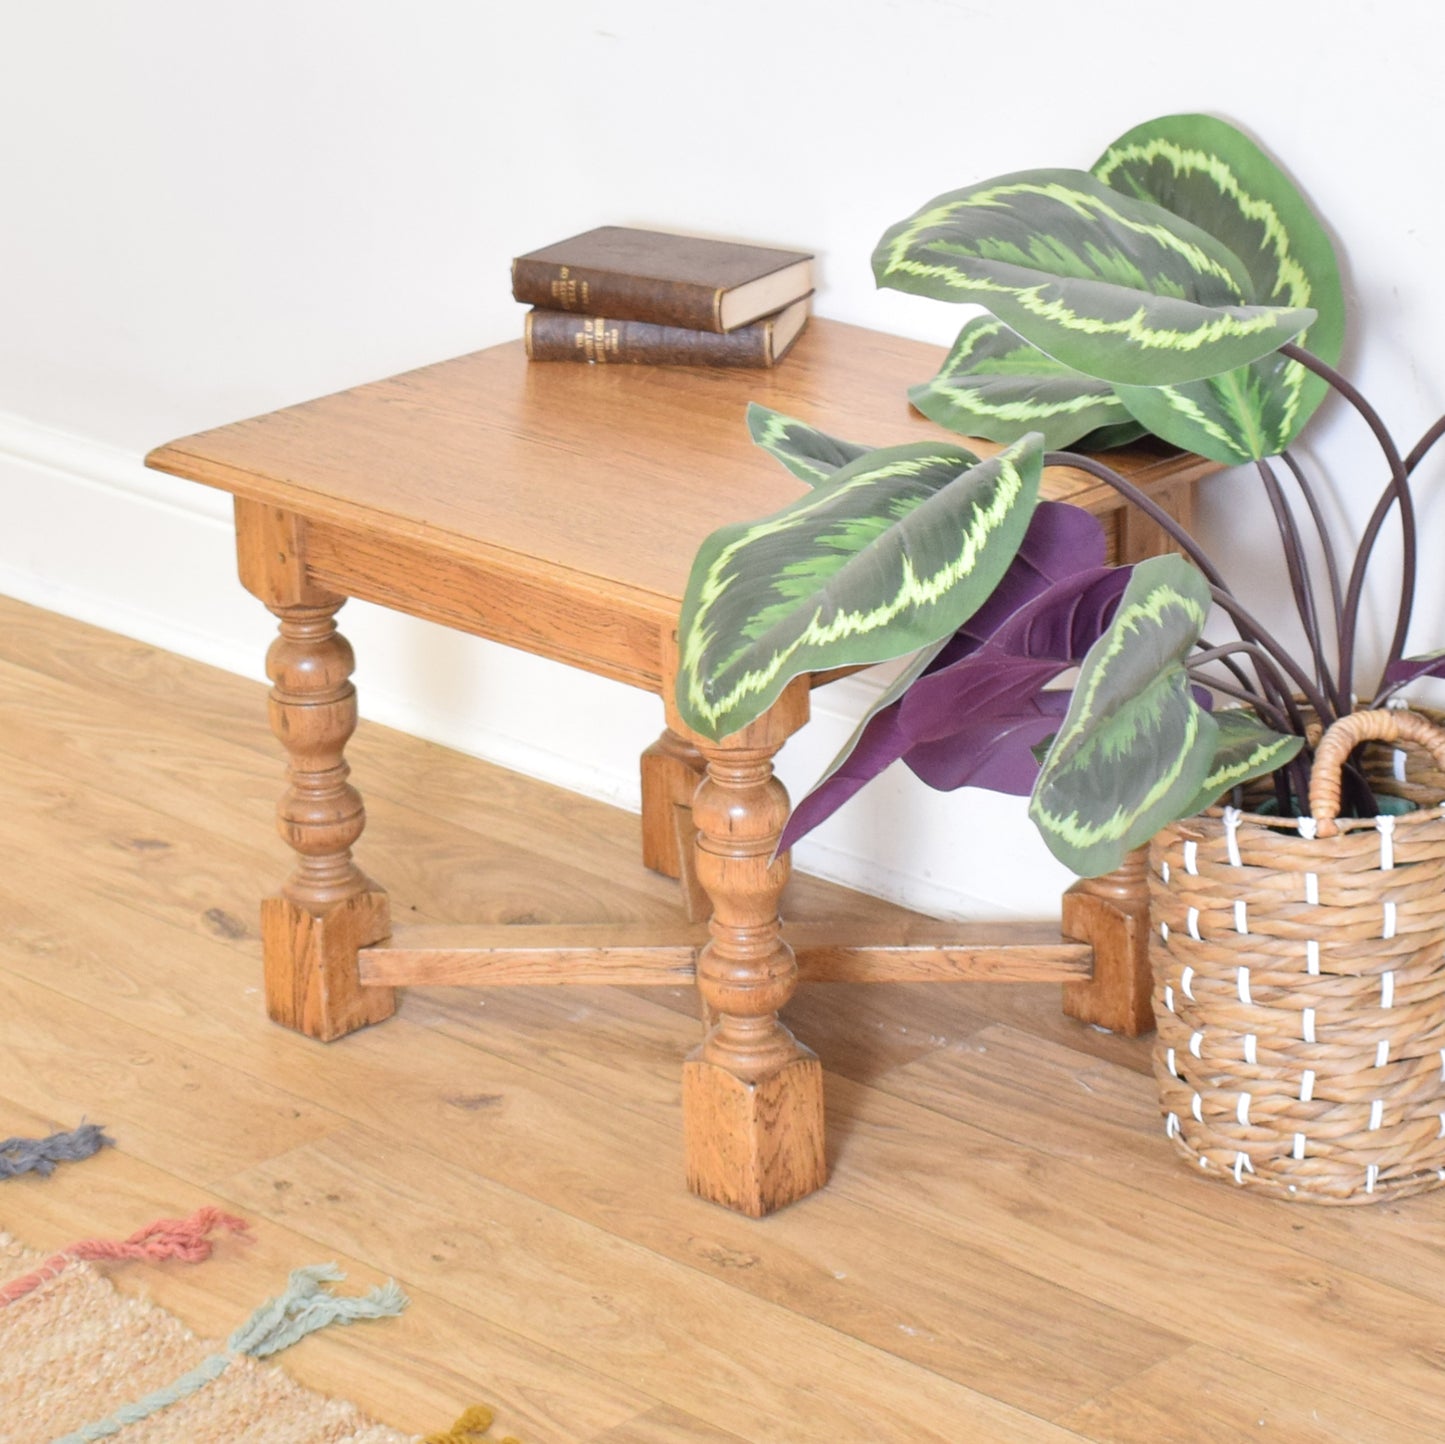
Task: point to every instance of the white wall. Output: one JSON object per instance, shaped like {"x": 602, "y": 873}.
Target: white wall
{"x": 210, "y": 211}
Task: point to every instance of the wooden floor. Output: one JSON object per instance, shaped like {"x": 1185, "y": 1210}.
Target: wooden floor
{"x": 1007, "y": 1251}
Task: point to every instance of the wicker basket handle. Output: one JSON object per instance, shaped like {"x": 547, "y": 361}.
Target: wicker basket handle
{"x": 1384, "y": 724}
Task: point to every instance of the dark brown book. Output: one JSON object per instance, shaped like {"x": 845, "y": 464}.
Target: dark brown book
{"x": 632, "y": 275}
{"x": 600, "y": 340}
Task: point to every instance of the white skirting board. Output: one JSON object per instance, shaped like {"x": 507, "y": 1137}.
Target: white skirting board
{"x": 90, "y": 533}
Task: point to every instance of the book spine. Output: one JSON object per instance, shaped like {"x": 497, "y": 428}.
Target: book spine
{"x": 558, "y": 336}
{"x": 617, "y": 295}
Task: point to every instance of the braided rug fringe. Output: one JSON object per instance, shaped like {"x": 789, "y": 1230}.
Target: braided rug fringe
{"x": 302, "y": 1309}
{"x": 179, "y": 1238}
{"x": 40, "y": 1155}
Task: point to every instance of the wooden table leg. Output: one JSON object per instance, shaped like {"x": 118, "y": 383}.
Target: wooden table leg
{"x": 1112, "y": 913}
{"x": 672, "y": 768}
{"x": 327, "y": 908}
{"x": 752, "y": 1095}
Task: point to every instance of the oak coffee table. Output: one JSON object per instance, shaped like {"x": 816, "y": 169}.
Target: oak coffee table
{"x": 557, "y": 508}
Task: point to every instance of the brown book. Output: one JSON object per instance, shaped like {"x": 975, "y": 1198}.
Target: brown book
{"x": 632, "y": 275}
{"x": 565, "y": 336}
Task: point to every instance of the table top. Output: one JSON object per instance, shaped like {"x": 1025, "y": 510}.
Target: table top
{"x": 596, "y": 480}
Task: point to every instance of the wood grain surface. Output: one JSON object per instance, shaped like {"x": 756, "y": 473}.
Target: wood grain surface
{"x": 558, "y": 508}
{"x": 1007, "y": 1250}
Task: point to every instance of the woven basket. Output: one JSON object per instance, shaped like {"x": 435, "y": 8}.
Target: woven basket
{"x": 1299, "y": 970}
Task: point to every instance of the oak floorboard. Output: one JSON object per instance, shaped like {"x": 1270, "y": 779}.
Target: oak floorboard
{"x": 1207, "y": 1396}
{"x": 616, "y": 1307}
{"x": 600, "y": 1141}
{"x": 1000, "y": 1188}
{"x": 74, "y": 1060}
{"x": 1106, "y": 1120}
{"x": 517, "y": 811}
{"x": 416, "y": 1372}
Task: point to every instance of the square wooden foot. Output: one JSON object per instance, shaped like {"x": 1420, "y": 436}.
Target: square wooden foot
{"x": 754, "y": 1146}
{"x": 1119, "y": 996}
{"x": 310, "y": 965}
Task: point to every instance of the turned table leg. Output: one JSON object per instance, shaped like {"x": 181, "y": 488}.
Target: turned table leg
{"x": 752, "y": 1095}
{"x": 327, "y": 908}
{"x": 1112, "y": 913}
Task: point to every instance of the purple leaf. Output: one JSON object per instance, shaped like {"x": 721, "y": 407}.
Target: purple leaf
{"x": 1062, "y": 546}
{"x": 1062, "y": 541}
{"x": 1407, "y": 669}
{"x": 998, "y": 683}
{"x": 996, "y": 752}
{"x": 879, "y": 744}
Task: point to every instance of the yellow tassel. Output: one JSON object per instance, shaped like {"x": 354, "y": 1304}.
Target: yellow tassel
{"x": 473, "y": 1423}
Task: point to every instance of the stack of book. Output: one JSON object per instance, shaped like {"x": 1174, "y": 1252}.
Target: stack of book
{"x": 620, "y": 294}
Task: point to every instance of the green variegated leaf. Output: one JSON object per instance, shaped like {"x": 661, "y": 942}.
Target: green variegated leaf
{"x": 811, "y": 455}
{"x": 1135, "y": 747}
{"x": 1246, "y": 749}
{"x": 897, "y": 550}
{"x": 1106, "y": 438}
{"x": 995, "y": 384}
{"x": 1113, "y": 286}
{"x": 1211, "y": 175}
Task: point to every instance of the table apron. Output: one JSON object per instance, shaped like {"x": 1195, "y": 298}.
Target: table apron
{"x": 562, "y": 618}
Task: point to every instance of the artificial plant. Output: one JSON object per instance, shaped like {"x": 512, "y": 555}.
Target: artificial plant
{"x": 1180, "y": 288}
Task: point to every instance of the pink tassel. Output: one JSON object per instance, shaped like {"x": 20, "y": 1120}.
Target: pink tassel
{"x": 179, "y": 1238}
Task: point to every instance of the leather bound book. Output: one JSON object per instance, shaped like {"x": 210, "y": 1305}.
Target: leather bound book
{"x": 688, "y": 281}
{"x": 565, "y": 336}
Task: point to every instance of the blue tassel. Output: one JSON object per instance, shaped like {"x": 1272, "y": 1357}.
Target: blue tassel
{"x": 40, "y": 1155}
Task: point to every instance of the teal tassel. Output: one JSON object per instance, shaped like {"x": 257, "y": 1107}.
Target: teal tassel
{"x": 306, "y": 1307}
{"x": 278, "y": 1323}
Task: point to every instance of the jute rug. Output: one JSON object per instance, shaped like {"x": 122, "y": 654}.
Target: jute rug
{"x": 77, "y": 1357}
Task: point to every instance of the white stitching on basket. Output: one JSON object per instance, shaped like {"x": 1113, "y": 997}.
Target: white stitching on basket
{"x": 1243, "y": 979}
{"x": 1372, "y": 1174}
{"x": 1241, "y": 1109}
{"x": 1171, "y": 1125}
{"x": 1382, "y": 1053}
{"x": 1241, "y": 1162}
{"x": 1299, "y": 1145}
{"x": 1232, "y": 816}
{"x": 1308, "y": 828}
{"x": 1387, "y": 989}
{"x": 1170, "y": 1064}
{"x": 1186, "y": 982}
{"x": 1191, "y": 857}
{"x": 1386, "y": 828}
{"x": 1400, "y": 760}
{"x": 1389, "y": 931}
{"x": 1312, "y": 889}
{"x": 1307, "y": 1025}
{"x": 1196, "y": 1039}
{"x": 1312, "y": 958}
{"x": 1241, "y": 916}
{"x": 1377, "y": 1113}
{"x": 1169, "y": 997}
{"x": 1251, "y": 1054}
{"x": 1193, "y": 921}
{"x": 1307, "y": 1085}
{"x": 1164, "y": 932}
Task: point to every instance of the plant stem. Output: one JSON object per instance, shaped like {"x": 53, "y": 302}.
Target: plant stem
{"x": 1252, "y": 631}
{"x": 1300, "y": 581}
{"x": 1397, "y": 490}
{"x": 1317, "y": 516}
{"x": 1191, "y": 549}
{"x": 1417, "y": 455}
{"x": 1267, "y": 710}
